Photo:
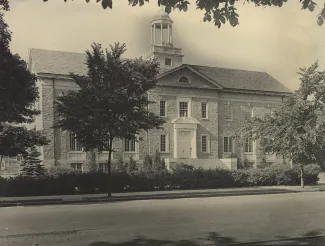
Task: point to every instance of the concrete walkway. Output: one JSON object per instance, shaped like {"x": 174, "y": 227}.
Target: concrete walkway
{"x": 174, "y": 194}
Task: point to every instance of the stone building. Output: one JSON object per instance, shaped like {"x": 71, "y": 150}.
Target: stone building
{"x": 203, "y": 107}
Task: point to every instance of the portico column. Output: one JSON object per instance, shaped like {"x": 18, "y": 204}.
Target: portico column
{"x": 194, "y": 145}
{"x": 175, "y": 143}
{"x": 154, "y": 33}
{"x": 161, "y": 32}
{"x": 168, "y": 34}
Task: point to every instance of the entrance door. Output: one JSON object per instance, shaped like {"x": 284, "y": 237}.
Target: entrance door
{"x": 184, "y": 144}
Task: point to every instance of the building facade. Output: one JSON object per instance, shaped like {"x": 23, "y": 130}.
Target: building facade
{"x": 203, "y": 106}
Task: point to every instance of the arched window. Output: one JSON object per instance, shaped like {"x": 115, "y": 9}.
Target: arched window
{"x": 184, "y": 80}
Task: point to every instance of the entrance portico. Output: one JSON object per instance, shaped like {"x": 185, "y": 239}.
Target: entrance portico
{"x": 185, "y": 138}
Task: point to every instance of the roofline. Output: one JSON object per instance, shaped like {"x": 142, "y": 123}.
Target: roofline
{"x": 162, "y": 75}
{"x": 249, "y": 91}
{"x": 191, "y": 87}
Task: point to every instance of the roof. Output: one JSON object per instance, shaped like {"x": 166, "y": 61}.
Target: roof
{"x": 162, "y": 16}
{"x": 57, "y": 62}
{"x": 64, "y": 63}
{"x": 241, "y": 79}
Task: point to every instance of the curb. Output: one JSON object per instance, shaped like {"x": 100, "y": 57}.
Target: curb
{"x": 87, "y": 200}
{"x": 138, "y": 197}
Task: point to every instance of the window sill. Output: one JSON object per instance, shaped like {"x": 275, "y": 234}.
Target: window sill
{"x": 229, "y": 120}
{"x": 130, "y": 152}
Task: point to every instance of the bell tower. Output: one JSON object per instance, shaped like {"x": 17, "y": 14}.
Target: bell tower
{"x": 162, "y": 47}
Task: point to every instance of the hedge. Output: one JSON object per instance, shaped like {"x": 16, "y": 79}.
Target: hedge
{"x": 62, "y": 182}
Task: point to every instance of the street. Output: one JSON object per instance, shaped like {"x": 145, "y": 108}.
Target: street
{"x": 191, "y": 222}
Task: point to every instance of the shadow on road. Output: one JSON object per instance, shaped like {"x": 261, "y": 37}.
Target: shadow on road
{"x": 314, "y": 238}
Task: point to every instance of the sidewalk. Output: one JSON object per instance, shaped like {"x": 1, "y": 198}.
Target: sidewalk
{"x": 174, "y": 194}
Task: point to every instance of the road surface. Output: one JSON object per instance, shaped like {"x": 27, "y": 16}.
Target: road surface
{"x": 179, "y": 222}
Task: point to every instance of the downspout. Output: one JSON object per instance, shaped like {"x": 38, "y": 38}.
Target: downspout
{"x": 53, "y": 110}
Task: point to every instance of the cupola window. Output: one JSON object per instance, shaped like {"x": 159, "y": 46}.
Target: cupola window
{"x": 168, "y": 62}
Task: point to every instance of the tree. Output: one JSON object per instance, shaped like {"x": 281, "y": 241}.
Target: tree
{"x": 112, "y": 100}
{"x": 147, "y": 163}
{"x": 157, "y": 163}
{"x": 296, "y": 129}
{"x": 31, "y": 165}
{"x": 220, "y": 11}
{"x": 18, "y": 93}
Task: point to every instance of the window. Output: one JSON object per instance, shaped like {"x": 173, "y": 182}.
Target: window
{"x": 129, "y": 145}
{"x": 204, "y": 110}
{"x": 74, "y": 143}
{"x": 103, "y": 167}
{"x": 183, "y": 109}
{"x": 162, "y": 109}
{"x": 248, "y": 145}
{"x": 106, "y": 144}
{"x": 205, "y": 143}
{"x": 228, "y": 112}
{"x": 227, "y": 145}
{"x": 163, "y": 143}
{"x": 168, "y": 62}
{"x": 183, "y": 80}
{"x": 76, "y": 166}
{"x": 248, "y": 112}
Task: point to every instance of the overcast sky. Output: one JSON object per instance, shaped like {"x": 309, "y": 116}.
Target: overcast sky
{"x": 274, "y": 40}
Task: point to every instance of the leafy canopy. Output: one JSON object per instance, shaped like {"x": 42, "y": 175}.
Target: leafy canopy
{"x": 18, "y": 93}
{"x": 296, "y": 129}
{"x": 112, "y": 100}
{"x": 220, "y": 11}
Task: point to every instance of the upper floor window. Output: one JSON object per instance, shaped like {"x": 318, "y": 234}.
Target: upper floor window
{"x": 248, "y": 145}
{"x": 204, "y": 110}
{"x": 129, "y": 145}
{"x": 184, "y": 80}
{"x": 183, "y": 109}
{"x": 74, "y": 143}
{"x": 105, "y": 146}
{"x": 162, "y": 109}
{"x": 168, "y": 62}
{"x": 228, "y": 110}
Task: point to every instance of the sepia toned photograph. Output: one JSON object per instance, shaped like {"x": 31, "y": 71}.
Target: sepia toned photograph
{"x": 162, "y": 122}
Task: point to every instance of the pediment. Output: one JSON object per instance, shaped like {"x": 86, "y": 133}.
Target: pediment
{"x": 185, "y": 120}
{"x": 195, "y": 78}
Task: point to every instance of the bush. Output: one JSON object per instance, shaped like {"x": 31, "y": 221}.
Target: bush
{"x": 59, "y": 181}
{"x": 311, "y": 173}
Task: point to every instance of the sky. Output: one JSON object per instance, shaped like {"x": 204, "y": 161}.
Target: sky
{"x": 274, "y": 40}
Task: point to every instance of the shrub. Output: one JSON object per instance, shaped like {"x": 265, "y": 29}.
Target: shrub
{"x": 181, "y": 167}
{"x": 311, "y": 173}
{"x": 59, "y": 181}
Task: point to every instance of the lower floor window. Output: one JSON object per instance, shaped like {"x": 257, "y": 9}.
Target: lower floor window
{"x": 103, "y": 167}
{"x": 227, "y": 145}
{"x": 248, "y": 145}
{"x": 129, "y": 145}
{"x": 204, "y": 143}
{"x": 163, "y": 142}
{"x": 76, "y": 166}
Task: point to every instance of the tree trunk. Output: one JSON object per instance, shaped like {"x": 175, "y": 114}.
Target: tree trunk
{"x": 109, "y": 169}
{"x": 302, "y": 176}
